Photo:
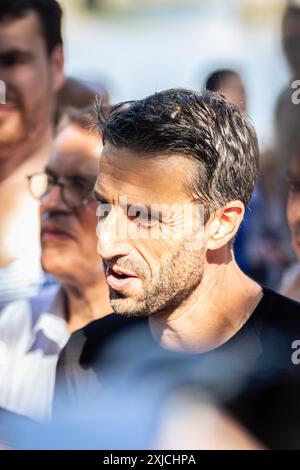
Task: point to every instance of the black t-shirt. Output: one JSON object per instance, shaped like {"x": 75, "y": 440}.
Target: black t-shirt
{"x": 255, "y": 374}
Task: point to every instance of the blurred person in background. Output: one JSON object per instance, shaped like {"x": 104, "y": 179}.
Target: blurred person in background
{"x": 258, "y": 245}
{"x": 33, "y": 331}
{"x": 287, "y": 118}
{"x": 230, "y": 84}
{"x": 273, "y": 251}
{"x": 270, "y": 253}
{"x": 31, "y": 65}
{"x": 287, "y": 123}
{"x": 80, "y": 94}
{"x": 290, "y": 284}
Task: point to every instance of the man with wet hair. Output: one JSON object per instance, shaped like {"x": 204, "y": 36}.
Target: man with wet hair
{"x": 176, "y": 173}
{"x": 177, "y": 149}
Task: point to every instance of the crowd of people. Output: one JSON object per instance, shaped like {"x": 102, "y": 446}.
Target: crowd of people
{"x": 149, "y": 256}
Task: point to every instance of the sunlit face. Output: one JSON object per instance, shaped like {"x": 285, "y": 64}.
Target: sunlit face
{"x": 291, "y": 42}
{"x": 68, "y": 237}
{"x": 152, "y": 260}
{"x": 32, "y": 78}
{"x": 293, "y": 205}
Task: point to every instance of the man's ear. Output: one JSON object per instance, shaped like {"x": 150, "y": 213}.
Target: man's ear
{"x": 57, "y": 67}
{"x": 224, "y": 224}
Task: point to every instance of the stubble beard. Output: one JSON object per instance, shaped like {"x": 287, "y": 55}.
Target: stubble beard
{"x": 177, "y": 279}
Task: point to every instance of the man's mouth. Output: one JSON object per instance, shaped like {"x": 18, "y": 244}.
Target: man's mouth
{"x": 53, "y": 233}
{"x": 7, "y": 109}
{"x": 120, "y": 279}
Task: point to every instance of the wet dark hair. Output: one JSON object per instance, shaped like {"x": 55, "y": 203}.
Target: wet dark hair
{"x": 214, "y": 82}
{"x": 49, "y": 13}
{"x": 203, "y": 127}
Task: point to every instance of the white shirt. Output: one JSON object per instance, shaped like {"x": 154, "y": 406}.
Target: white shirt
{"x": 32, "y": 334}
{"x": 21, "y": 278}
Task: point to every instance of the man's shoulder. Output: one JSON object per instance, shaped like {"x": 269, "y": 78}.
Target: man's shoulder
{"x": 277, "y": 323}
{"x": 278, "y": 313}
{"x": 86, "y": 344}
{"x": 94, "y": 351}
{"x": 279, "y": 307}
{"x": 111, "y": 323}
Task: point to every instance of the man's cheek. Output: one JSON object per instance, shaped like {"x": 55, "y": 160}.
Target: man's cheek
{"x": 154, "y": 251}
{"x": 90, "y": 241}
{"x": 31, "y": 89}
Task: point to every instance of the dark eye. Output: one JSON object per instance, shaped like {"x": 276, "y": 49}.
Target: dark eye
{"x": 103, "y": 209}
{"x": 13, "y": 58}
{"x": 294, "y": 186}
{"x": 142, "y": 216}
{"x": 51, "y": 179}
{"x": 82, "y": 183}
{"x": 137, "y": 213}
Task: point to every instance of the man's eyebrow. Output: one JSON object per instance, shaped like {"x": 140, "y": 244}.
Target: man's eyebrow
{"x": 84, "y": 177}
{"x": 139, "y": 206}
{"x": 98, "y": 197}
{"x": 16, "y": 52}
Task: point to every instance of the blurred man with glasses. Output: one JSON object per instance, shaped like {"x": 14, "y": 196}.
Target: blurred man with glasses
{"x": 33, "y": 332}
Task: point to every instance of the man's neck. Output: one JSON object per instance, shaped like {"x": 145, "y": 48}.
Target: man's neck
{"x": 216, "y": 310}
{"x": 86, "y": 304}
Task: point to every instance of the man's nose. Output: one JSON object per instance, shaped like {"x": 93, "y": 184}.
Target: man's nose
{"x": 113, "y": 236}
{"x": 53, "y": 200}
{"x": 6, "y": 75}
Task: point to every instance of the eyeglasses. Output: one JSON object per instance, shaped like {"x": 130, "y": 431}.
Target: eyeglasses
{"x": 76, "y": 192}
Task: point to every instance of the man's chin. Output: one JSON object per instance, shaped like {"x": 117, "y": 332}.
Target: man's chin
{"x": 55, "y": 263}
{"x": 127, "y": 307}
